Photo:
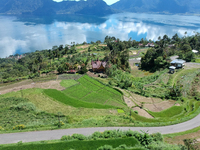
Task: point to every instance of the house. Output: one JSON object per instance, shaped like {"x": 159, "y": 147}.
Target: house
{"x": 149, "y": 45}
{"x": 98, "y": 66}
{"x": 178, "y": 63}
{"x": 195, "y": 51}
{"x": 140, "y": 44}
{"x": 172, "y": 69}
{"x": 71, "y": 72}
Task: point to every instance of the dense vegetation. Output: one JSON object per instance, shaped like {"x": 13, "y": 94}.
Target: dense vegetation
{"x": 20, "y": 114}
{"x": 44, "y": 7}
{"x": 108, "y": 140}
{"x": 170, "y": 6}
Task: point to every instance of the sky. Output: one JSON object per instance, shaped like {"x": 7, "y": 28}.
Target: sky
{"x": 109, "y": 2}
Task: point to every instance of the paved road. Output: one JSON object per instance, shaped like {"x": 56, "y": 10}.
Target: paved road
{"x": 57, "y": 134}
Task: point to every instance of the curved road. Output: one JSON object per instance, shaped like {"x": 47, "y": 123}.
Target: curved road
{"x": 57, "y": 134}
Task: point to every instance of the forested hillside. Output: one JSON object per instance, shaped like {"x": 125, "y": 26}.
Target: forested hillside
{"x": 158, "y": 6}
{"x": 44, "y": 7}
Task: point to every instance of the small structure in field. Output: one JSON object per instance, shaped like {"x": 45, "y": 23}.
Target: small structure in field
{"x": 172, "y": 69}
{"x": 149, "y": 45}
{"x": 98, "y": 66}
{"x": 176, "y": 64}
{"x": 195, "y": 51}
{"x": 71, "y": 72}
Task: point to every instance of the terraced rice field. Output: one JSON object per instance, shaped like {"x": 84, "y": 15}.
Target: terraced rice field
{"x": 92, "y": 91}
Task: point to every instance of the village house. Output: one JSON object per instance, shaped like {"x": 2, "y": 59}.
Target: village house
{"x": 98, "y": 66}
{"x": 149, "y": 45}
{"x": 176, "y": 64}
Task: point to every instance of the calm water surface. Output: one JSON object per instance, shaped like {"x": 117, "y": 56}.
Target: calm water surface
{"x": 19, "y": 34}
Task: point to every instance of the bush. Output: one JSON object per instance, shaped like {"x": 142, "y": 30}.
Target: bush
{"x": 79, "y": 137}
{"x": 157, "y": 137}
{"x": 97, "y": 135}
{"x": 1, "y": 128}
{"x": 66, "y": 138}
{"x": 59, "y": 123}
{"x": 105, "y": 147}
{"x": 19, "y": 127}
{"x": 24, "y": 107}
{"x": 136, "y": 111}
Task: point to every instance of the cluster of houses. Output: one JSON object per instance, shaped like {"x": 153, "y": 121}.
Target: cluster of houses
{"x": 148, "y": 45}
{"x": 16, "y": 57}
{"x": 97, "y": 66}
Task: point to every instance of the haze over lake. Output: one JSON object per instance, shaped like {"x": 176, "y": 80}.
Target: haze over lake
{"x": 20, "y": 34}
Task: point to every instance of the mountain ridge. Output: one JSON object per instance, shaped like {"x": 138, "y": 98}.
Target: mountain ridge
{"x": 158, "y": 6}
{"x": 38, "y": 7}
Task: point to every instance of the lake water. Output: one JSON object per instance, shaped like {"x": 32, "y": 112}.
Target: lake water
{"x": 20, "y": 34}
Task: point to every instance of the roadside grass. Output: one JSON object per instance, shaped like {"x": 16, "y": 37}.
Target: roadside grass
{"x": 61, "y": 97}
{"x": 68, "y": 83}
{"x": 182, "y": 133}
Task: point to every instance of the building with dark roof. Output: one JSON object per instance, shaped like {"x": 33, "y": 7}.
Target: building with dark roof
{"x": 98, "y": 66}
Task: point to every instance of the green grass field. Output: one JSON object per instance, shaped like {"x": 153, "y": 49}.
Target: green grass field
{"x": 68, "y": 83}
{"x": 63, "y": 98}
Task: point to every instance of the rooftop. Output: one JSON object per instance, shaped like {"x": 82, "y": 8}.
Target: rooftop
{"x": 178, "y": 61}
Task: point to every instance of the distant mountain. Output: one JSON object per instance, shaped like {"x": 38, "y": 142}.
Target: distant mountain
{"x": 39, "y": 7}
{"x": 160, "y": 6}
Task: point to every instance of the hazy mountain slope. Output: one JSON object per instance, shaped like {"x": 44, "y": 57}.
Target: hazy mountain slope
{"x": 91, "y": 7}
{"x": 171, "y": 6}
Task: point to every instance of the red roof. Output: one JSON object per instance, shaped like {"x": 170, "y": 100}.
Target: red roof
{"x": 72, "y": 71}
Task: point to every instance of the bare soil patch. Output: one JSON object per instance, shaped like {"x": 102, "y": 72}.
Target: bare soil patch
{"x": 142, "y": 112}
{"x": 102, "y": 45}
{"x": 12, "y": 85}
{"x": 83, "y": 46}
{"x": 156, "y": 107}
{"x": 28, "y": 85}
{"x": 141, "y": 98}
{"x": 129, "y": 102}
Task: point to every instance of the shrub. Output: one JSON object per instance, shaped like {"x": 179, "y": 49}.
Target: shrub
{"x": 79, "y": 137}
{"x": 66, "y": 138}
{"x": 24, "y": 107}
{"x": 1, "y": 128}
{"x": 97, "y": 135}
{"x": 105, "y": 147}
{"x": 136, "y": 111}
{"x": 157, "y": 137}
{"x": 59, "y": 123}
{"x": 19, "y": 127}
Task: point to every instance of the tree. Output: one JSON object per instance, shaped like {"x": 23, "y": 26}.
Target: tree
{"x": 60, "y": 69}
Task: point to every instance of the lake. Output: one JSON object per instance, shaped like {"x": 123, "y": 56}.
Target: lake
{"x": 20, "y": 34}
